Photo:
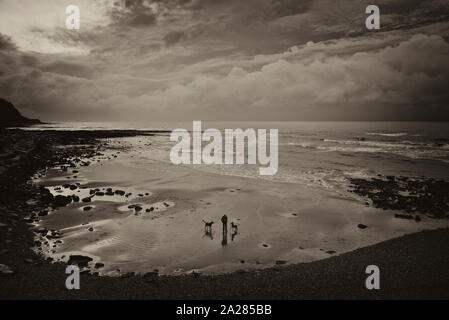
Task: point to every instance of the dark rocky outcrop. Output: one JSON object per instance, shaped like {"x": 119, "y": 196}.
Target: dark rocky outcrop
{"x": 11, "y": 117}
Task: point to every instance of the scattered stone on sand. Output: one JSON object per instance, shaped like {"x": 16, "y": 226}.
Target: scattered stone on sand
{"x": 79, "y": 260}
{"x": 120, "y": 192}
{"x": 4, "y": 269}
{"x": 43, "y": 213}
{"x": 61, "y": 201}
{"x": 362, "y": 226}
{"x": 426, "y": 196}
{"x": 87, "y": 208}
{"x": 91, "y": 229}
{"x": 99, "y": 193}
{"x": 87, "y": 199}
{"x": 75, "y": 198}
{"x": 99, "y": 265}
{"x": 138, "y": 208}
{"x": 331, "y": 251}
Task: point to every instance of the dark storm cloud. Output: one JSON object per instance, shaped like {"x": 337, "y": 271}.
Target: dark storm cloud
{"x": 282, "y": 8}
{"x": 67, "y": 68}
{"x": 6, "y": 43}
{"x": 133, "y": 13}
{"x": 212, "y": 59}
{"x": 173, "y": 37}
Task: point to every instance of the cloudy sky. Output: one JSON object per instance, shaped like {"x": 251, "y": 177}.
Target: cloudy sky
{"x": 226, "y": 60}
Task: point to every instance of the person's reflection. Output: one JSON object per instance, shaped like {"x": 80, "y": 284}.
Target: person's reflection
{"x": 224, "y": 220}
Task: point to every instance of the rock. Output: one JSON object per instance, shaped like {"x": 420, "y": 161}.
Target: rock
{"x": 109, "y": 193}
{"x": 280, "y": 262}
{"x": 73, "y": 187}
{"x": 330, "y": 252}
{"x": 43, "y": 213}
{"x": 417, "y": 218}
{"x": 99, "y": 193}
{"x": 138, "y": 208}
{"x": 75, "y": 198}
{"x": 99, "y": 265}
{"x": 87, "y": 199}
{"x": 91, "y": 229}
{"x": 79, "y": 260}
{"x": 150, "y": 209}
{"x": 87, "y": 208}
{"x": 403, "y": 216}
{"x": 61, "y": 201}
{"x": 4, "y": 269}
{"x": 120, "y": 192}
{"x": 362, "y": 226}
{"x": 75, "y": 171}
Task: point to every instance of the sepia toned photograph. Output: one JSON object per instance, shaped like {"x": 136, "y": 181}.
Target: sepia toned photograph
{"x": 233, "y": 151}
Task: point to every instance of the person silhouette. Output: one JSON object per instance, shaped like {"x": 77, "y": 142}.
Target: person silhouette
{"x": 224, "y": 220}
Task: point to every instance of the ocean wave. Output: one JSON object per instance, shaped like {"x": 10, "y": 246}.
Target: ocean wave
{"x": 398, "y": 134}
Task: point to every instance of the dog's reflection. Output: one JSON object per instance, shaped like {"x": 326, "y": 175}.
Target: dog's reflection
{"x": 208, "y": 229}
{"x": 235, "y": 230}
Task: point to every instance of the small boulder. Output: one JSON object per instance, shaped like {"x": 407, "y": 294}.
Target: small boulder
{"x": 80, "y": 261}
{"x": 61, "y": 201}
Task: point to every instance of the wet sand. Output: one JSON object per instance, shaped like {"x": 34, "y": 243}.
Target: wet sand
{"x": 157, "y": 224}
{"x": 421, "y": 256}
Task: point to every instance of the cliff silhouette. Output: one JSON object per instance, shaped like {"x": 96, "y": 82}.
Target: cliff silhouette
{"x": 10, "y": 116}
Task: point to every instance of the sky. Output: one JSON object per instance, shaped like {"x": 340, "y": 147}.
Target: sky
{"x": 171, "y": 60}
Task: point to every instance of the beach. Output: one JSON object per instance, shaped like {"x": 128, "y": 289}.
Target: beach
{"x": 302, "y": 242}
